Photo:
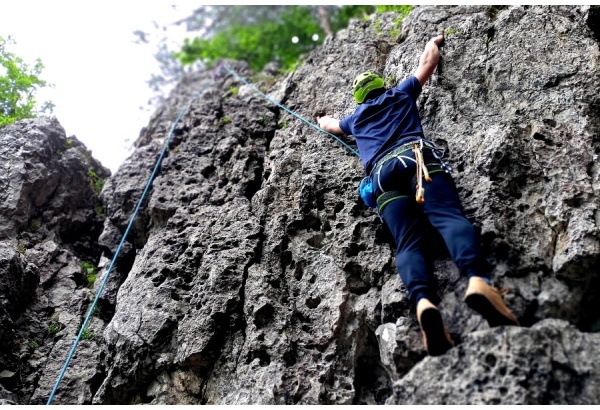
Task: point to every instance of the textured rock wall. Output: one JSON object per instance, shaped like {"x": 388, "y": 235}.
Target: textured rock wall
{"x": 254, "y": 273}
{"x": 50, "y": 220}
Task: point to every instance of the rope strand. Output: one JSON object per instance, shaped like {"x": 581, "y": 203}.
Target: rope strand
{"x": 349, "y": 148}
{"x": 137, "y": 208}
{"x": 141, "y": 200}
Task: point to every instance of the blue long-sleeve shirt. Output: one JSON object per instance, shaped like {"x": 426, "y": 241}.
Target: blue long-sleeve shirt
{"x": 383, "y": 123}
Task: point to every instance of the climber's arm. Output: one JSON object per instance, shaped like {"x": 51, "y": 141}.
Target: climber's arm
{"x": 429, "y": 59}
{"x": 330, "y": 124}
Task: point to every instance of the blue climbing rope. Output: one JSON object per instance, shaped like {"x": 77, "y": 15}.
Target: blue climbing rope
{"x": 349, "y": 148}
{"x": 137, "y": 208}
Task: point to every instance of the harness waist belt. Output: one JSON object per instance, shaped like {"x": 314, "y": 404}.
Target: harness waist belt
{"x": 402, "y": 148}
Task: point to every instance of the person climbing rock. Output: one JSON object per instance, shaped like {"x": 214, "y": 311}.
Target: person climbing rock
{"x": 397, "y": 158}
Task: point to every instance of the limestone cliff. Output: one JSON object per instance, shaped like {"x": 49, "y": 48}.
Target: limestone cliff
{"x": 254, "y": 273}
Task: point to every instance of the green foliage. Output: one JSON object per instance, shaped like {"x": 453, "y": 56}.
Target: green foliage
{"x": 345, "y": 13}
{"x": 226, "y": 120}
{"x": 258, "y": 44}
{"x": 401, "y": 12}
{"x": 207, "y": 21}
{"x": 96, "y": 181}
{"x": 261, "y": 40}
{"x": 69, "y": 143}
{"x": 35, "y": 225}
{"x": 377, "y": 25}
{"x": 100, "y": 211}
{"x": 234, "y": 90}
{"x": 87, "y": 334}
{"x": 90, "y": 272}
{"x": 88, "y": 266}
{"x": 91, "y": 278}
{"x": 97, "y": 312}
{"x": 34, "y": 344}
{"x": 21, "y": 249}
{"x": 18, "y": 84}
{"x": 54, "y": 326}
{"x": 453, "y": 31}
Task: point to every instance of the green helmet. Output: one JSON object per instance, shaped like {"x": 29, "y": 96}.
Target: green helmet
{"x": 365, "y": 83}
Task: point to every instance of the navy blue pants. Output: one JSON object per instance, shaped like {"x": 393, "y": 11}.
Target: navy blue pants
{"x": 405, "y": 219}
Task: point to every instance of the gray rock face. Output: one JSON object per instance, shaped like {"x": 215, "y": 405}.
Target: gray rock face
{"x": 546, "y": 364}
{"x": 254, "y": 273}
{"x": 50, "y": 220}
{"x": 41, "y": 173}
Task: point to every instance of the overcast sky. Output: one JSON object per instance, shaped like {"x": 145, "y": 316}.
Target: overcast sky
{"x": 99, "y": 73}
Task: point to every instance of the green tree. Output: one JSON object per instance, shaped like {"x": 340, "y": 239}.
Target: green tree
{"x": 210, "y": 25}
{"x": 402, "y": 10}
{"x": 261, "y": 34}
{"x": 18, "y": 84}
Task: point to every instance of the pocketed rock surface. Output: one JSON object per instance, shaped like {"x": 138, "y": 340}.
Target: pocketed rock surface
{"x": 254, "y": 273}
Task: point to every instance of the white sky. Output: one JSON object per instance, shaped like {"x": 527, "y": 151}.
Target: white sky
{"x": 99, "y": 73}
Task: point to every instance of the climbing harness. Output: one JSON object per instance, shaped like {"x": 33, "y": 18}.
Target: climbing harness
{"x": 386, "y": 198}
{"x": 422, "y": 171}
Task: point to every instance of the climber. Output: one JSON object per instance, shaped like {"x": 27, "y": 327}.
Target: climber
{"x": 394, "y": 151}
